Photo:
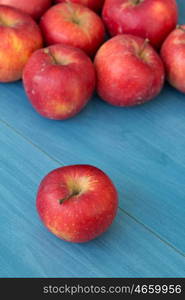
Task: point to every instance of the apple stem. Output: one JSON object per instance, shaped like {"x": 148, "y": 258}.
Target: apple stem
{"x": 136, "y": 2}
{"x": 52, "y": 57}
{"x": 75, "y": 193}
{"x": 146, "y": 41}
{"x": 73, "y": 12}
{"x": 180, "y": 27}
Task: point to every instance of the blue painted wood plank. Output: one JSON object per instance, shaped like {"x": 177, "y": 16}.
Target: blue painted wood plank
{"x": 27, "y": 249}
{"x": 141, "y": 148}
{"x": 181, "y": 6}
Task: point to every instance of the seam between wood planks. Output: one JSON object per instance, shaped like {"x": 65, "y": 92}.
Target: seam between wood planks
{"x": 121, "y": 209}
{"x": 154, "y": 233}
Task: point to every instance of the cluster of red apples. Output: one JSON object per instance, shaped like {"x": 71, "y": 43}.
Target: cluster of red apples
{"x": 61, "y": 51}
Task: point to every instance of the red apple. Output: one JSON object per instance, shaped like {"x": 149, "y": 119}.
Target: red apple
{"x": 77, "y": 203}
{"x": 95, "y": 5}
{"x": 73, "y": 24}
{"x": 129, "y": 71}
{"x": 35, "y": 8}
{"x": 20, "y": 36}
{"x": 59, "y": 81}
{"x": 173, "y": 55}
{"x": 152, "y": 19}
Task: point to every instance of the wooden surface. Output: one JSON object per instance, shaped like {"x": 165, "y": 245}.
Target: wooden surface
{"x": 143, "y": 151}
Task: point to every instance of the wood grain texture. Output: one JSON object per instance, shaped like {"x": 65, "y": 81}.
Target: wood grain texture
{"x": 141, "y": 148}
{"x": 27, "y": 249}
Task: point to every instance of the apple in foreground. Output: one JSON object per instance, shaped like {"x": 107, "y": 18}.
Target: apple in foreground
{"x": 73, "y": 24}
{"x": 95, "y": 5}
{"x": 173, "y": 56}
{"x": 129, "y": 71}
{"x": 59, "y": 80}
{"x": 20, "y": 36}
{"x": 77, "y": 203}
{"x": 35, "y": 8}
{"x": 152, "y": 19}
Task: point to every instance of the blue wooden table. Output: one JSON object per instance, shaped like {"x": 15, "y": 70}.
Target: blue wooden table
{"x": 143, "y": 151}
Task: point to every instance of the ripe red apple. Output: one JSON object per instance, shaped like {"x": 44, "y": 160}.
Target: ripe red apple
{"x": 152, "y": 19}
{"x": 59, "y": 81}
{"x": 20, "y": 36}
{"x": 173, "y": 56}
{"x": 129, "y": 71}
{"x": 77, "y": 203}
{"x": 35, "y": 8}
{"x": 73, "y": 24}
{"x": 95, "y": 5}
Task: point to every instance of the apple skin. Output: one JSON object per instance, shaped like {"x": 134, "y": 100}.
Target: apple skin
{"x": 173, "y": 56}
{"x": 35, "y": 8}
{"x": 77, "y": 203}
{"x": 129, "y": 71}
{"x": 59, "y": 81}
{"x": 75, "y": 25}
{"x": 20, "y": 36}
{"x": 95, "y": 5}
{"x": 152, "y": 19}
